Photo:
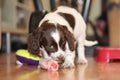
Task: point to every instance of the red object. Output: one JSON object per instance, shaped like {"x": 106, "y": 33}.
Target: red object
{"x": 49, "y": 64}
{"x": 105, "y": 54}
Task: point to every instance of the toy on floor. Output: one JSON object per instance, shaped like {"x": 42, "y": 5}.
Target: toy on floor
{"x": 105, "y": 54}
{"x": 24, "y": 57}
{"x": 48, "y": 64}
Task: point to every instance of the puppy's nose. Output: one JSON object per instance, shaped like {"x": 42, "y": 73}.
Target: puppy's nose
{"x": 61, "y": 57}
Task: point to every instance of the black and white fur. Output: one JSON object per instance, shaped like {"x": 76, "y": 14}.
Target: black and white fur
{"x": 75, "y": 26}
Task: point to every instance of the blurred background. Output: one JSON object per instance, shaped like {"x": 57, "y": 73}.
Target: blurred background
{"x": 102, "y": 18}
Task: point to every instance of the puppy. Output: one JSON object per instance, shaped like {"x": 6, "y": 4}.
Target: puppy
{"x": 59, "y": 35}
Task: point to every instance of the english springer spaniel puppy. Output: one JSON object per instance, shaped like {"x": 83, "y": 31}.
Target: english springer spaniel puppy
{"x": 59, "y": 35}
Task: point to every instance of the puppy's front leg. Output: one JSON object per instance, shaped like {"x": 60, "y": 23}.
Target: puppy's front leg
{"x": 69, "y": 58}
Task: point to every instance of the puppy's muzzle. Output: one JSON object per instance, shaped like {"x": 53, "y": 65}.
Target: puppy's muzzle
{"x": 60, "y": 59}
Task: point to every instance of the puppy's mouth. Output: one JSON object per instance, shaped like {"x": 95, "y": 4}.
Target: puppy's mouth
{"x": 59, "y": 61}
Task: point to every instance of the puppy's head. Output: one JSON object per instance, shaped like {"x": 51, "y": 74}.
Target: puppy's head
{"x": 51, "y": 39}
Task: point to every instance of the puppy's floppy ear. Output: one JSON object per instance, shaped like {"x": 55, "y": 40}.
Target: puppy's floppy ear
{"x": 33, "y": 42}
{"x": 70, "y": 38}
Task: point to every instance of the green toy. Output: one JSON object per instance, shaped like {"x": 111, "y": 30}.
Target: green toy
{"x": 25, "y": 57}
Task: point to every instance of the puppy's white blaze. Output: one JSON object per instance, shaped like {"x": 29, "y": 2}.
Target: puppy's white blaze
{"x": 56, "y": 36}
{"x": 67, "y": 47}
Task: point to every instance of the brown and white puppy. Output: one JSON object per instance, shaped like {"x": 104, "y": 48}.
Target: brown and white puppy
{"x": 57, "y": 36}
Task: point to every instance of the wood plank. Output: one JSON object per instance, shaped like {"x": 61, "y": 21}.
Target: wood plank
{"x": 92, "y": 71}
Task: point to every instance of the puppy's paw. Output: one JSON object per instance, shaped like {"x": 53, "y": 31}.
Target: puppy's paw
{"x": 82, "y": 61}
{"x": 68, "y": 64}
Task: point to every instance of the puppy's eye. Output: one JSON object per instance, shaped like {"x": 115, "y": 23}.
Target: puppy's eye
{"x": 51, "y": 46}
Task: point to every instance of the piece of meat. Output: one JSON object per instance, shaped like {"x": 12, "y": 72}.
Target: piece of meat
{"x": 48, "y": 64}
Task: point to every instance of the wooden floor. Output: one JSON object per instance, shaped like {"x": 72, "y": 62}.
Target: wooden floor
{"x": 93, "y": 71}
